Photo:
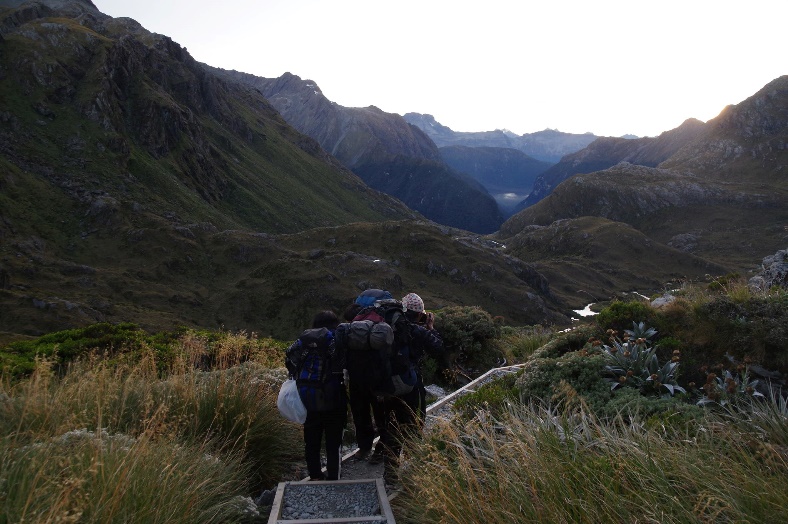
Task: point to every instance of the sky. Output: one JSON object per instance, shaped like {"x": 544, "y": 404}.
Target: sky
{"x": 608, "y": 67}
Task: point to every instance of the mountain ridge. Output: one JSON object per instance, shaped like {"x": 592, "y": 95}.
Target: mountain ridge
{"x": 548, "y": 145}
{"x": 383, "y": 149}
{"x": 605, "y": 152}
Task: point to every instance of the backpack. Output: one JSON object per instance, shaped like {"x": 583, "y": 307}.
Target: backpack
{"x": 383, "y": 334}
{"x": 314, "y": 358}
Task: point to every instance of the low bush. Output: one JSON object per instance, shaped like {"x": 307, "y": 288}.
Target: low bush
{"x": 620, "y": 315}
{"x": 492, "y": 397}
{"x": 470, "y": 336}
{"x": 547, "y": 379}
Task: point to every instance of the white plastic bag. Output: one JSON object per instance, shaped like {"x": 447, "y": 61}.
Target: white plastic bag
{"x": 289, "y": 402}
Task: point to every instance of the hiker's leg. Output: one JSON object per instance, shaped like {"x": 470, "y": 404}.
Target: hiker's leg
{"x": 334, "y": 423}
{"x": 313, "y": 434}
{"x": 396, "y": 412}
{"x": 380, "y": 420}
{"x": 422, "y": 411}
{"x": 360, "y": 399}
{"x": 405, "y": 424}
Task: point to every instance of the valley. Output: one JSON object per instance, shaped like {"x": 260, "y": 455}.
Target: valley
{"x": 138, "y": 185}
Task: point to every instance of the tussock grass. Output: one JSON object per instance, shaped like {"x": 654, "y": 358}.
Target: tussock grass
{"x": 82, "y": 476}
{"x": 534, "y": 466}
{"x": 112, "y": 441}
{"x": 520, "y": 343}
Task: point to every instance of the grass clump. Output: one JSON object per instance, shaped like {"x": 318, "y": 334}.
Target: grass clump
{"x": 491, "y": 397}
{"x": 83, "y": 476}
{"x": 533, "y": 464}
{"x": 141, "y": 441}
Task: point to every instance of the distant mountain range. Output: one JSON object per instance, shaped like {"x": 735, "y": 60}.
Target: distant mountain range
{"x": 139, "y": 185}
{"x": 548, "y": 145}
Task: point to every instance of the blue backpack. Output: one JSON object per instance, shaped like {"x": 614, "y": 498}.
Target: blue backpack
{"x": 318, "y": 380}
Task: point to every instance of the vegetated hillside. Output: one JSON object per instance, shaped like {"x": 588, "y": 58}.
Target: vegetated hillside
{"x": 499, "y": 170}
{"x": 115, "y": 146}
{"x": 606, "y": 152}
{"x": 381, "y": 148}
{"x": 118, "y": 118}
{"x": 162, "y": 274}
{"x": 591, "y": 259}
{"x": 724, "y": 198}
{"x": 548, "y": 145}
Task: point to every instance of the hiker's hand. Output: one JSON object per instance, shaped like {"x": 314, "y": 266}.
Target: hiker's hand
{"x": 430, "y": 322}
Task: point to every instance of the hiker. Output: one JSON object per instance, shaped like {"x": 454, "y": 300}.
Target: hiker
{"x": 320, "y": 380}
{"x": 404, "y": 414}
{"x": 362, "y": 399}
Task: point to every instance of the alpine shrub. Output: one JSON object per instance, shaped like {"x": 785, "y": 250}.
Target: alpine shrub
{"x": 542, "y": 378}
{"x": 620, "y": 315}
{"x": 469, "y": 335}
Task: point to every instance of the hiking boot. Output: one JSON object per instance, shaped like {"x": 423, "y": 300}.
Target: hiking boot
{"x": 376, "y": 458}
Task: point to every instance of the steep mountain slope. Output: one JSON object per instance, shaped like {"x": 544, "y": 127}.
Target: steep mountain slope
{"x": 501, "y": 171}
{"x": 745, "y": 143}
{"x": 355, "y": 136}
{"x": 606, "y": 152}
{"x": 548, "y": 145}
{"x": 137, "y": 186}
{"x": 436, "y": 191}
{"x": 383, "y": 149}
{"x": 723, "y": 196}
{"x": 111, "y": 113}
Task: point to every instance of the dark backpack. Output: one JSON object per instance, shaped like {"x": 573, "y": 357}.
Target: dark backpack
{"x": 383, "y": 336}
{"x": 315, "y": 360}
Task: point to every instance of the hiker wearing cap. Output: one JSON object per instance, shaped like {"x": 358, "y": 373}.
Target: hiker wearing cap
{"x": 415, "y": 313}
{"x": 404, "y": 414}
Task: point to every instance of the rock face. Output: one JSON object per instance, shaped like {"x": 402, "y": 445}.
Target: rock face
{"x": 383, "y": 149}
{"x": 774, "y": 272}
{"x": 548, "y": 145}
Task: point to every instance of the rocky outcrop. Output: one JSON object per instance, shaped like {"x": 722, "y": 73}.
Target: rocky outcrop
{"x": 774, "y": 272}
